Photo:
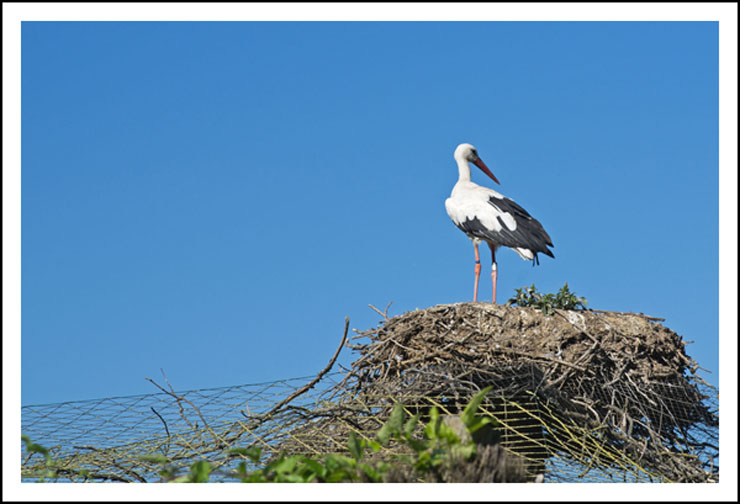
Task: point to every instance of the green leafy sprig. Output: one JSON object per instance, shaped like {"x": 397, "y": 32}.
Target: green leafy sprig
{"x": 564, "y": 300}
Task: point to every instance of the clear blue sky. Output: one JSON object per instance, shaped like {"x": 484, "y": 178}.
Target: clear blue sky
{"x": 214, "y": 198}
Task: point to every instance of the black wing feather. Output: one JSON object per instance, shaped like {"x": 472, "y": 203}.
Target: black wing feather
{"x": 528, "y": 234}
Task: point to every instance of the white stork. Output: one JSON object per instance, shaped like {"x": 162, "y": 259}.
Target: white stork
{"x": 485, "y": 215}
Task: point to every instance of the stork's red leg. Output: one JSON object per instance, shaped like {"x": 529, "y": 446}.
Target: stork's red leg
{"x": 477, "y": 272}
{"x": 494, "y": 271}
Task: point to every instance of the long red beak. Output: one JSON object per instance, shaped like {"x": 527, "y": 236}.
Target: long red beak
{"x": 480, "y": 164}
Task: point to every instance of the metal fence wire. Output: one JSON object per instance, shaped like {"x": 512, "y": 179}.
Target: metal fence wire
{"x": 106, "y": 439}
{"x": 579, "y": 397}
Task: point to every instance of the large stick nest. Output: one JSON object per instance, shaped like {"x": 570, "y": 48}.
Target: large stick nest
{"x": 579, "y": 396}
{"x": 609, "y": 390}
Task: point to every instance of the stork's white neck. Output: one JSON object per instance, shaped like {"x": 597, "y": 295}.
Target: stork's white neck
{"x": 463, "y": 167}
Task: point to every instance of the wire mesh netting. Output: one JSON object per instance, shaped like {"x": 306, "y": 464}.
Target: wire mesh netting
{"x": 106, "y": 439}
{"x": 577, "y": 396}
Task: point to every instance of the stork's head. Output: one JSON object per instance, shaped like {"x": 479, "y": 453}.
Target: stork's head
{"x": 467, "y": 153}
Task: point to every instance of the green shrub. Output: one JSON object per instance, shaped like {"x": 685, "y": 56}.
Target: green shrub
{"x": 564, "y": 300}
{"x": 437, "y": 445}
